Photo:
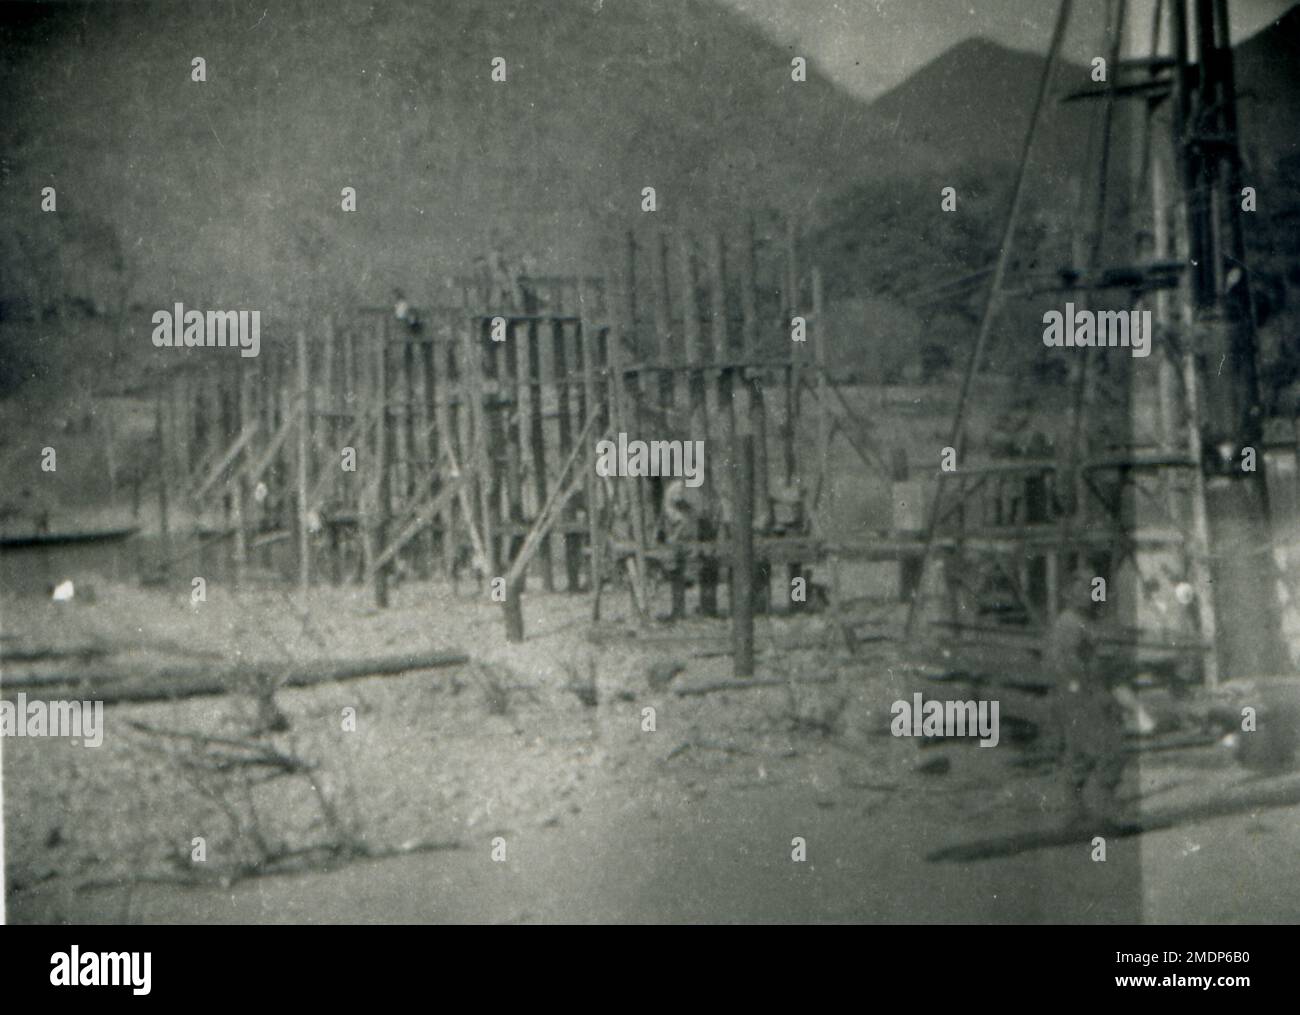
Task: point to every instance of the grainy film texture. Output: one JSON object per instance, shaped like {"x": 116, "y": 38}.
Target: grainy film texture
{"x": 626, "y": 462}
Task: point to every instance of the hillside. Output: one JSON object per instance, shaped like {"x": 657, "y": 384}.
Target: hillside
{"x": 971, "y": 104}
{"x": 1268, "y": 88}
{"x": 971, "y": 107}
{"x": 228, "y": 190}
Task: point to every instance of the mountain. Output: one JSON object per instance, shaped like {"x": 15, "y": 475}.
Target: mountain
{"x": 1268, "y": 91}
{"x": 970, "y": 107}
{"x": 228, "y": 191}
{"x": 972, "y": 103}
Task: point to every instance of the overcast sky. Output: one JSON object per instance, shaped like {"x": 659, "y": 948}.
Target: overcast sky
{"x": 868, "y": 46}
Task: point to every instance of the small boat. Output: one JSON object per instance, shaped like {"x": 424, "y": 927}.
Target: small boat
{"x": 15, "y": 541}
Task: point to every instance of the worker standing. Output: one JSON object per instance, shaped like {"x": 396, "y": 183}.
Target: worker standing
{"x": 1087, "y": 722}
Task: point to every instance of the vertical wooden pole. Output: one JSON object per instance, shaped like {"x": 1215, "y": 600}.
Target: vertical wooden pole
{"x": 110, "y": 456}
{"x": 793, "y": 480}
{"x": 588, "y": 349}
{"x": 164, "y": 476}
{"x": 532, "y": 385}
{"x": 379, "y": 508}
{"x": 181, "y": 424}
{"x": 755, "y": 411}
{"x": 508, "y": 420}
{"x": 722, "y": 350}
{"x": 631, "y": 393}
{"x": 424, "y": 468}
{"x": 667, "y": 407}
{"x": 413, "y": 477}
{"x": 505, "y": 449}
{"x": 228, "y": 402}
{"x": 564, "y": 427}
{"x": 474, "y": 426}
{"x": 442, "y": 390}
{"x": 263, "y": 413}
{"x": 240, "y": 491}
{"x": 821, "y": 356}
{"x": 742, "y": 566}
{"x": 327, "y": 432}
{"x": 698, "y": 416}
{"x": 792, "y": 400}
{"x": 719, "y": 331}
{"x": 825, "y": 478}
{"x": 284, "y": 478}
{"x": 306, "y": 419}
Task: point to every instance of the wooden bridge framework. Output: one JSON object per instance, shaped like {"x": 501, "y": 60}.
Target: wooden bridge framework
{"x": 463, "y": 436}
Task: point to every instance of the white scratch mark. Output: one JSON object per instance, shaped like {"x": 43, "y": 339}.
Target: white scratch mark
{"x": 214, "y": 132}
{"x": 260, "y": 20}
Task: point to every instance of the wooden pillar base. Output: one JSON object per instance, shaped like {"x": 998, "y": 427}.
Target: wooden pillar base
{"x": 514, "y": 613}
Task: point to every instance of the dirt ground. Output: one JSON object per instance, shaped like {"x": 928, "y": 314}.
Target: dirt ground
{"x": 600, "y": 820}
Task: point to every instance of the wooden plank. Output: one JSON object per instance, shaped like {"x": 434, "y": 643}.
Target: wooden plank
{"x": 566, "y": 485}
{"x": 482, "y": 555}
{"x": 259, "y": 468}
{"x": 419, "y": 515}
{"x": 224, "y": 462}
{"x": 870, "y": 454}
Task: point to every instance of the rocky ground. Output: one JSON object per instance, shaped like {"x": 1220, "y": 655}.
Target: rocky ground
{"x": 599, "y": 818}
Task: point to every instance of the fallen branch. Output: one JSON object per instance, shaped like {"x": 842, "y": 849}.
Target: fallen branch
{"x": 45, "y": 653}
{"x": 705, "y": 745}
{"x": 745, "y": 685}
{"x": 321, "y": 859}
{"x": 118, "y": 685}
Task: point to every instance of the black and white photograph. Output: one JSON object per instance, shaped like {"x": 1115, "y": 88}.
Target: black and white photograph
{"x": 650, "y": 462}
